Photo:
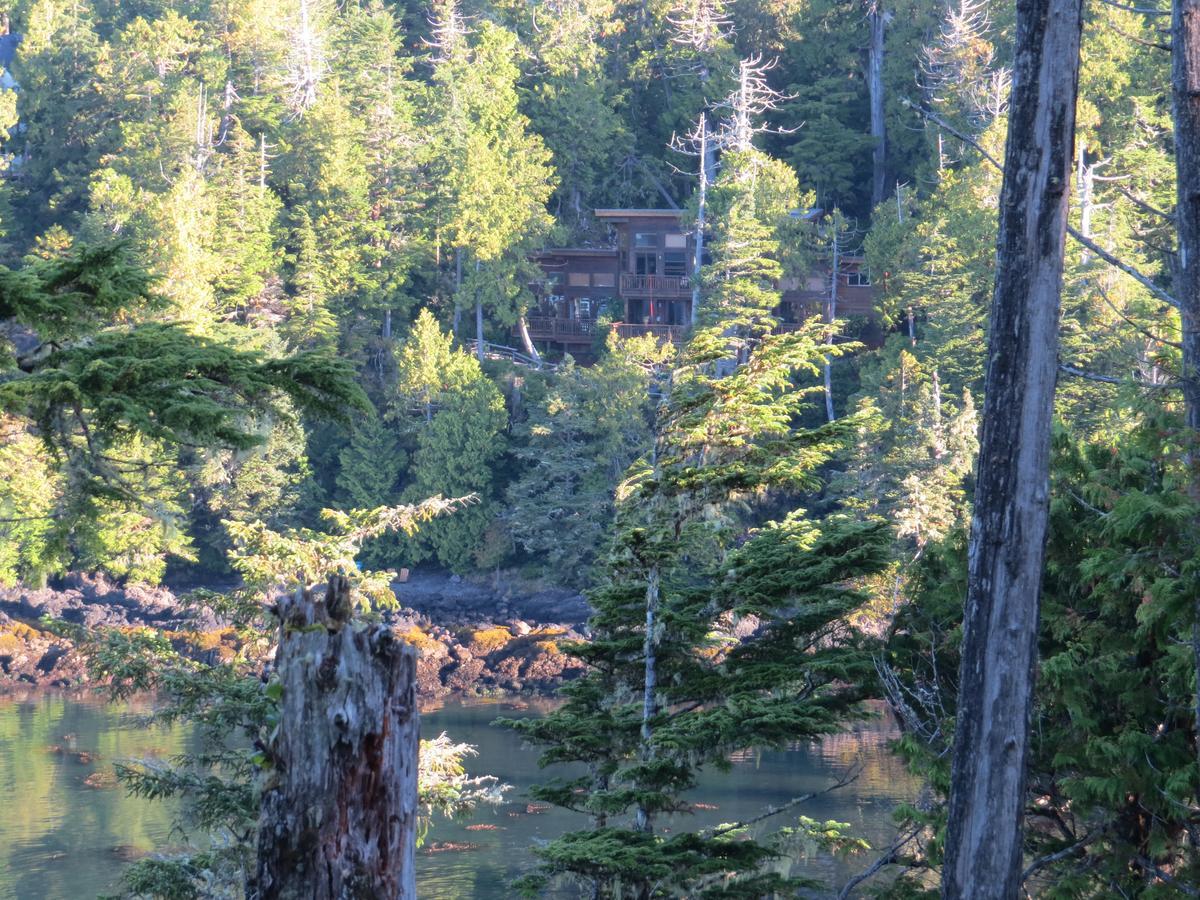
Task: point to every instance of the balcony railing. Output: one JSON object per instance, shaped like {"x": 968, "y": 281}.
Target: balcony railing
{"x": 655, "y": 286}
{"x": 673, "y": 333}
{"x": 552, "y": 328}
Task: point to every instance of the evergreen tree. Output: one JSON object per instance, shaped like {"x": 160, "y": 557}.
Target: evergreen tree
{"x": 28, "y": 549}
{"x": 371, "y": 464}
{"x": 749, "y": 205}
{"x": 669, "y": 689}
{"x": 578, "y": 441}
{"x": 1111, "y": 773}
{"x": 493, "y": 177}
{"x": 456, "y": 416}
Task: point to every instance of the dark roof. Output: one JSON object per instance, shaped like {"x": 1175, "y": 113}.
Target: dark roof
{"x": 8, "y": 48}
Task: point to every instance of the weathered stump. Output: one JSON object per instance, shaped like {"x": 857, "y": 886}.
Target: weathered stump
{"x": 339, "y": 815}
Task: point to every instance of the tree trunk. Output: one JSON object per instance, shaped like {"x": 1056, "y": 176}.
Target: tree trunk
{"x": 479, "y": 328}
{"x": 707, "y": 161}
{"x": 1000, "y": 621}
{"x": 457, "y": 291}
{"x": 339, "y": 817}
{"x": 1185, "y": 91}
{"x": 478, "y": 318}
{"x": 523, "y": 327}
{"x": 831, "y": 315}
{"x": 875, "y": 18}
{"x": 643, "y": 820}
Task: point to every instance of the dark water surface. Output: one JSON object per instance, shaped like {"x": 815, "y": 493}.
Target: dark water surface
{"x": 62, "y": 838}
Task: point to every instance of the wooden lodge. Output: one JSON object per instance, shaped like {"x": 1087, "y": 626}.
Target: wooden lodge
{"x": 641, "y": 283}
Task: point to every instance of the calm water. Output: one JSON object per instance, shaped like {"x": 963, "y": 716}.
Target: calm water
{"x": 63, "y": 838}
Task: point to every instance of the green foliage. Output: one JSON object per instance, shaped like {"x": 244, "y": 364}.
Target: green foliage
{"x": 69, "y": 296}
{"x": 577, "y": 441}
{"x": 218, "y": 782}
{"x": 750, "y": 206}
{"x": 670, "y": 688}
{"x": 913, "y": 452}
{"x": 456, "y": 416}
{"x": 28, "y": 550}
{"x": 370, "y": 465}
{"x": 1113, "y": 760}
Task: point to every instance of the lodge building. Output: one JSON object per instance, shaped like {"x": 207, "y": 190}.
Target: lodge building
{"x": 641, "y": 282}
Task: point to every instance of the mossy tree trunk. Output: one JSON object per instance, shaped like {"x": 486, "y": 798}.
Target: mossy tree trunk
{"x": 339, "y": 816}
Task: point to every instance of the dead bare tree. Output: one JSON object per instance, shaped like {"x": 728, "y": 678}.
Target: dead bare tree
{"x": 703, "y": 26}
{"x": 733, "y": 125}
{"x": 339, "y": 814}
{"x": 958, "y": 68}
{"x": 987, "y": 793}
{"x": 307, "y": 65}
{"x": 876, "y": 20}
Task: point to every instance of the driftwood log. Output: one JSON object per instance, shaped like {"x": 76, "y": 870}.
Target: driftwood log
{"x": 339, "y": 814}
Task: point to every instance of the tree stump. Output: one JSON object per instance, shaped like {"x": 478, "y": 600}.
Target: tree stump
{"x": 339, "y": 814}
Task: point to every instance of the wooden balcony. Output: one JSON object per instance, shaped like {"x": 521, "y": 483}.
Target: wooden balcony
{"x": 569, "y": 331}
{"x": 673, "y": 333}
{"x": 655, "y": 286}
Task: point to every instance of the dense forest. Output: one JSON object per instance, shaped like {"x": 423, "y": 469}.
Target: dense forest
{"x": 246, "y": 247}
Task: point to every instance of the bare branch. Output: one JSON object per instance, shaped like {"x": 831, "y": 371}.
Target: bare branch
{"x": 1089, "y": 376}
{"x": 887, "y": 859}
{"x": 1129, "y": 270}
{"x": 1144, "y": 10}
{"x": 1052, "y": 858}
{"x": 1141, "y": 204}
{"x": 848, "y": 778}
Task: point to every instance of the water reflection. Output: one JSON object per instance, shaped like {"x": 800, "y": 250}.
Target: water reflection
{"x": 65, "y": 835}
{"x": 67, "y": 831}
{"x": 757, "y": 781}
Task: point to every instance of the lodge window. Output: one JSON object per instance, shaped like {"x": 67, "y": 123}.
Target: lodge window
{"x": 675, "y": 264}
{"x": 675, "y": 241}
{"x": 859, "y": 278}
{"x": 645, "y": 263}
{"x": 645, "y": 239}
{"x": 603, "y": 279}
{"x": 578, "y": 279}
{"x": 554, "y": 279}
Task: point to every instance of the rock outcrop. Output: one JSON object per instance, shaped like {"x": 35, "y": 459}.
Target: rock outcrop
{"x": 470, "y": 639}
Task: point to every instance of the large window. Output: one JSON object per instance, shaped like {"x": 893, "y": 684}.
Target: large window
{"x": 859, "y": 278}
{"x": 645, "y": 263}
{"x": 675, "y": 263}
{"x": 578, "y": 279}
{"x": 603, "y": 279}
{"x": 645, "y": 239}
{"x": 675, "y": 241}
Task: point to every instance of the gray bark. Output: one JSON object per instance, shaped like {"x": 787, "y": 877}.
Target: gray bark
{"x": 478, "y": 320}
{"x": 523, "y": 327}
{"x": 644, "y": 821}
{"x": 830, "y": 316}
{"x": 875, "y": 19}
{"x": 339, "y": 815}
{"x": 707, "y": 164}
{"x": 996, "y": 679}
{"x": 1185, "y": 95}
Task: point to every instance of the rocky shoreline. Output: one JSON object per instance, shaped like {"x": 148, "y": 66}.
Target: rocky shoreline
{"x": 474, "y": 639}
